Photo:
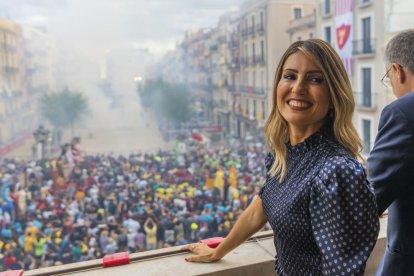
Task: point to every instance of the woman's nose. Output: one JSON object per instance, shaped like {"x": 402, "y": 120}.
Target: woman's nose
{"x": 299, "y": 87}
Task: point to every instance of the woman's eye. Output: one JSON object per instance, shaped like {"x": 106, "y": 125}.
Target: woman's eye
{"x": 317, "y": 80}
{"x": 289, "y": 77}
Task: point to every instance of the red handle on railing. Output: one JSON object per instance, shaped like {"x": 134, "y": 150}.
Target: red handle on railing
{"x": 212, "y": 242}
{"x": 116, "y": 259}
{"x": 12, "y": 273}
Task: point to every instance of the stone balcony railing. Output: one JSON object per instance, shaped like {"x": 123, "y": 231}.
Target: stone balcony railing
{"x": 254, "y": 257}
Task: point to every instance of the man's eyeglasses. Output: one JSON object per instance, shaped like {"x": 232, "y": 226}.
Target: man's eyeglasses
{"x": 386, "y": 80}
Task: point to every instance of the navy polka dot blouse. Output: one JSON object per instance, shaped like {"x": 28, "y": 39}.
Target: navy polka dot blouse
{"x": 324, "y": 213}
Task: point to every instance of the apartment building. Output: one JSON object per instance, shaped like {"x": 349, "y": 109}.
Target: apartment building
{"x": 14, "y": 100}
{"x": 196, "y": 59}
{"x": 263, "y": 41}
{"x": 367, "y": 66}
{"x": 228, "y": 35}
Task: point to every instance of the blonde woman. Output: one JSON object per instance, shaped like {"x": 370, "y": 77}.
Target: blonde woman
{"x": 316, "y": 196}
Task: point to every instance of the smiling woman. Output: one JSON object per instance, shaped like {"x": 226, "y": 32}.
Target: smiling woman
{"x": 316, "y": 196}
{"x": 310, "y": 196}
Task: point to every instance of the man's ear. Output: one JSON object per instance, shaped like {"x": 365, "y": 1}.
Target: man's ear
{"x": 399, "y": 72}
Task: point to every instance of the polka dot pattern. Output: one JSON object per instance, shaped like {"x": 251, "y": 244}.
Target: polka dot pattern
{"x": 324, "y": 213}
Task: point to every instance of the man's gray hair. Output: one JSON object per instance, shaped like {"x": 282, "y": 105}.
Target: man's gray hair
{"x": 400, "y": 50}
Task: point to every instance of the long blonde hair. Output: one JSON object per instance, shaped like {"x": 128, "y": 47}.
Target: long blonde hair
{"x": 276, "y": 129}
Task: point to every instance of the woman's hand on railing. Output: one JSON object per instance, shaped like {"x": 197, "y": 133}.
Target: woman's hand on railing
{"x": 202, "y": 253}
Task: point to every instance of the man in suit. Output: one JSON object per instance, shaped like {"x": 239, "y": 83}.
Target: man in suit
{"x": 391, "y": 162}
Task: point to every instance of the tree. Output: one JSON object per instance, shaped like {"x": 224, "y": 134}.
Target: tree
{"x": 64, "y": 108}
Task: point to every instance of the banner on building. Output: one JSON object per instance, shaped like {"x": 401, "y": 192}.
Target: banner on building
{"x": 344, "y": 26}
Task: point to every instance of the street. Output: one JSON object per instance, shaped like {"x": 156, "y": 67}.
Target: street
{"x": 122, "y": 129}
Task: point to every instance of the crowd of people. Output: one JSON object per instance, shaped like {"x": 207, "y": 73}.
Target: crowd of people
{"x": 81, "y": 207}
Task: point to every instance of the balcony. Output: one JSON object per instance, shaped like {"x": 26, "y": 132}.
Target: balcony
{"x": 250, "y": 30}
{"x": 363, "y": 47}
{"x": 234, "y": 64}
{"x": 259, "y": 60}
{"x": 260, "y": 28}
{"x": 304, "y": 22}
{"x": 10, "y": 70}
{"x": 252, "y": 90}
{"x": 367, "y": 101}
{"x": 9, "y": 48}
{"x": 259, "y": 90}
{"x": 365, "y": 3}
{"x": 254, "y": 257}
{"x": 213, "y": 48}
{"x": 233, "y": 44}
{"x": 245, "y": 61}
{"x": 231, "y": 88}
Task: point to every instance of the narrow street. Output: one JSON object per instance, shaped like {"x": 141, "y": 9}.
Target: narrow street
{"x": 123, "y": 129}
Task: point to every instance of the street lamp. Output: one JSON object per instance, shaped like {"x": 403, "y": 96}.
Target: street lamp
{"x": 41, "y": 136}
{"x": 138, "y": 81}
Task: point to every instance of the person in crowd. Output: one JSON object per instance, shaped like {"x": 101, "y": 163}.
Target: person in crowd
{"x": 316, "y": 197}
{"x": 151, "y": 230}
{"x": 391, "y": 162}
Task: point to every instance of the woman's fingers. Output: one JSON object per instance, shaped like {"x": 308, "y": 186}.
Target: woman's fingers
{"x": 202, "y": 252}
{"x": 190, "y": 247}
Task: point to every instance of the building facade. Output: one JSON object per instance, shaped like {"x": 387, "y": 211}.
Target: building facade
{"x": 14, "y": 101}
{"x": 368, "y": 43}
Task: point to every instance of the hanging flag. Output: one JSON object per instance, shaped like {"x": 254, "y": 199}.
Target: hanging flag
{"x": 344, "y": 18}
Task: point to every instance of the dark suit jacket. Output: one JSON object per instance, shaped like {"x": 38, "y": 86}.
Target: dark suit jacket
{"x": 391, "y": 171}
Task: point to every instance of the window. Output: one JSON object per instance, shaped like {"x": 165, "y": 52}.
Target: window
{"x": 327, "y": 7}
{"x": 366, "y": 87}
{"x": 297, "y": 13}
{"x": 253, "y": 23}
{"x": 262, "y": 80}
{"x": 262, "y": 50}
{"x": 327, "y": 31}
{"x": 366, "y": 35}
{"x": 311, "y": 35}
{"x": 246, "y": 53}
{"x": 366, "y": 132}
{"x": 247, "y": 107}
{"x": 254, "y": 52}
{"x": 254, "y": 79}
{"x": 264, "y": 110}
{"x": 254, "y": 108}
{"x": 261, "y": 19}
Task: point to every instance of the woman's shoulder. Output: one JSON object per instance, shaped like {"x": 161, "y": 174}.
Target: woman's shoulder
{"x": 340, "y": 170}
{"x": 340, "y": 163}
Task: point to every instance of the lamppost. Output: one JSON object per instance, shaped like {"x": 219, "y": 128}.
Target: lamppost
{"x": 138, "y": 81}
{"x": 41, "y": 136}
